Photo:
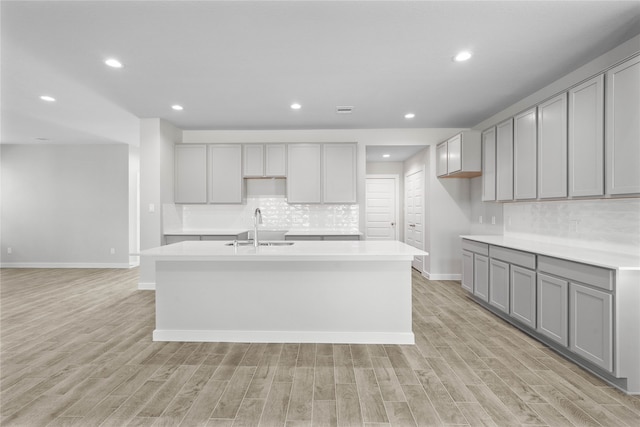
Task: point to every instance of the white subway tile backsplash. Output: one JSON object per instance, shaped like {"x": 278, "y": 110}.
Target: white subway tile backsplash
{"x": 277, "y": 214}
{"x": 610, "y": 224}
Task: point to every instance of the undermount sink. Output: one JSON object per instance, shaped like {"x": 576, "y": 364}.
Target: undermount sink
{"x": 250, "y": 243}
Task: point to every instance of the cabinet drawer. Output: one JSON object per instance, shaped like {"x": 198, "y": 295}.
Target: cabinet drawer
{"x": 574, "y": 271}
{"x": 477, "y": 247}
{"x": 513, "y": 256}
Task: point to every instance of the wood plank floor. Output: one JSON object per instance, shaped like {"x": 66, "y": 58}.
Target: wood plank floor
{"x": 76, "y": 350}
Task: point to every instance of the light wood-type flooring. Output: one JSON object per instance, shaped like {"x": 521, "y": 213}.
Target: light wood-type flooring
{"x": 76, "y": 350}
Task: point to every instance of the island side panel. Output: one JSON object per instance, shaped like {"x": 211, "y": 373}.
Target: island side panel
{"x": 275, "y": 301}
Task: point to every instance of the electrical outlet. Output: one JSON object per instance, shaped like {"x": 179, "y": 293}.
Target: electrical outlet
{"x": 152, "y": 208}
{"x": 9, "y": 250}
{"x": 113, "y": 251}
{"x": 493, "y": 220}
{"x": 480, "y": 219}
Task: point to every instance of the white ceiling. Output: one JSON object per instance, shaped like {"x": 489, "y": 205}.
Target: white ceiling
{"x": 239, "y": 64}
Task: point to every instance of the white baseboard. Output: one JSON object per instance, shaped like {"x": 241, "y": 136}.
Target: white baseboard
{"x": 64, "y": 265}
{"x": 146, "y": 286}
{"x": 285, "y": 336}
{"x": 442, "y": 276}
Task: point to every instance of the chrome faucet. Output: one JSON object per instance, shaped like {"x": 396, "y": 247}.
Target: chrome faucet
{"x": 257, "y": 219}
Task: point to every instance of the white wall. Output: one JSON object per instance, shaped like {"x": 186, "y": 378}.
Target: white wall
{"x": 157, "y": 140}
{"x": 65, "y": 205}
{"x": 447, "y": 216}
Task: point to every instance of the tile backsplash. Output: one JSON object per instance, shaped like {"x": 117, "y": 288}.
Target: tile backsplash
{"x": 606, "y": 224}
{"x": 277, "y": 214}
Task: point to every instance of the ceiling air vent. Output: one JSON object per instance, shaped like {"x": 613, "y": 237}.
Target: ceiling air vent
{"x": 344, "y": 110}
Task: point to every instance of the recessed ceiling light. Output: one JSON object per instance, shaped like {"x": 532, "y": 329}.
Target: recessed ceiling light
{"x": 296, "y": 106}
{"x": 462, "y": 56}
{"x": 409, "y": 116}
{"x": 114, "y": 63}
{"x": 47, "y": 98}
{"x": 386, "y": 155}
{"x": 177, "y": 107}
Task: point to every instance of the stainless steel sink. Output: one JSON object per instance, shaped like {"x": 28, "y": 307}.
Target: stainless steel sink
{"x": 250, "y": 243}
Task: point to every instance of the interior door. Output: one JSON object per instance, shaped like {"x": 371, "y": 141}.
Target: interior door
{"x": 414, "y": 215}
{"x": 381, "y": 206}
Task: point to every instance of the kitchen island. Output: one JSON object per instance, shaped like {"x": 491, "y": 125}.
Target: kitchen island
{"x": 322, "y": 292}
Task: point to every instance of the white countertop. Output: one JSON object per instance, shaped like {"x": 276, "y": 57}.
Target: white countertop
{"x": 322, "y": 232}
{"x": 299, "y": 251}
{"x": 207, "y": 232}
{"x": 585, "y": 255}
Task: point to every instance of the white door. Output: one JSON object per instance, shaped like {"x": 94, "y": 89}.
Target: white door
{"x": 381, "y": 207}
{"x": 414, "y": 214}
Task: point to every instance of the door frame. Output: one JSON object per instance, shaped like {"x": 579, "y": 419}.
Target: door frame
{"x": 396, "y": 181}
{"x": 408, "y": 173}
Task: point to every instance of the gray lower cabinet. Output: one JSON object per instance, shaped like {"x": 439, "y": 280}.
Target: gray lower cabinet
{"x": 467, "y": 270}
{"x": 591, "y": 320}
{"x": 523, "y": 295}
{"x": 169, "y": 239}
{"x": 323, "y": 237}
{"x": 553, "y": 307}
{"x": 481, "y": 276}
{"x": 499, "y": 285}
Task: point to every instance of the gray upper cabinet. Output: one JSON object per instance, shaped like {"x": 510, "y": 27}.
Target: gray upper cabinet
{"x": 525, "y": 155}
{"x": 339, "y": 173}
{"x": 275, "y": 160}
{"x": 489, "y": 165}
{"x": 264, "y": 160}
{"x": 504, "y": 161}
{"x": 441, "y": 159}
{"x": 622, "y": 137}
{"x": 552, "y": 148}
{"x": 225, "y": 173}
{"x": 190, "y": 184}
{"x": 253, "y": 160}
{"x": 459, "y": 156}
{"x": 304, "y": 173}
{"x": 586, "y": 138}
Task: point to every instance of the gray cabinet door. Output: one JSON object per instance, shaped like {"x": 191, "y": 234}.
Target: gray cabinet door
{"x": 552, "y": 148}
{"x": 454, "y": 154}
{"x": 253, "y": 160}
{"x": 504, "y": 161}
{"x": 441, "y": 159}
{"x": 499, "y": 285}
{"x": 622, "y": 138}
{"x": 553, "y": 308}
{"x": 525, "y": 155}
{"x": 467, "y": 271}
{"x": 190, "y": 184}
{"x": 339, "y": 174}
{"x": 303, "y": 173}
{"x": 489, "y": 165}
{"x": 225, "y": 173}
{"x": 523, "y": 295}
{"x": 481, "y": 276}
{"x": 586, "y": 138}
{"x": 591, "y": 325}
{"x": 275, "y": 160}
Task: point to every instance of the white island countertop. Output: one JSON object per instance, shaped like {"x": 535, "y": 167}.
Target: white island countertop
{"x": 298, "y": 251}
{"x": 586, "y": 255}
{"x": 207, "y": 232}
